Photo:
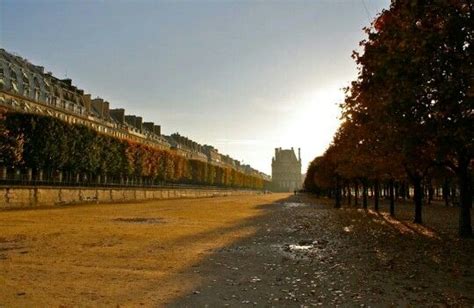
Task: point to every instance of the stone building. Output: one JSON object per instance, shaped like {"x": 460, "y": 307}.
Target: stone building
{"x": 286, "y": 170}
{"x": 28, "y": 88}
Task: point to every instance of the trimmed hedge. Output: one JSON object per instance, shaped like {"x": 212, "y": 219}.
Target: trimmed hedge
{"x": 46, "y": 143}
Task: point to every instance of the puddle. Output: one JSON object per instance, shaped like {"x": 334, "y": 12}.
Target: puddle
{"x": 141, "y": 220}
{"x": 348, "y": 229}
{"x": 294, "y": 204}
{"x": 303, "y": 250}
{"x": 300, "y": 247}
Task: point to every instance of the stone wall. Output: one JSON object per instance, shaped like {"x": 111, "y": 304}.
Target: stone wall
{"x": 27, "y": 197}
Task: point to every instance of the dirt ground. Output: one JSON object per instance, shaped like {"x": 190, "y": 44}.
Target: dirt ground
{"x": 265, "y": 250}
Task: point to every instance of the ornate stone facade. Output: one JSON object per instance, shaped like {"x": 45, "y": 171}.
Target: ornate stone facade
{"x": 286, "y": 170}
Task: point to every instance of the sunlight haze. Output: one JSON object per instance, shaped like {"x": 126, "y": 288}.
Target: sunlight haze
{"x": 244, "y": 76}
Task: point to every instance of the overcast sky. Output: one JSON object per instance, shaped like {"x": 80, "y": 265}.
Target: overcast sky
{"x": 244, "y": 76}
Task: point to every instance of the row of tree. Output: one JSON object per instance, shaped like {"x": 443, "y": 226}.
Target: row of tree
{"x": 45, "y": 143}
{"x": 408, "y": 118}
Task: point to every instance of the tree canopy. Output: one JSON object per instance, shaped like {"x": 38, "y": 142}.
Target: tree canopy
{"x": 410, "y": 110}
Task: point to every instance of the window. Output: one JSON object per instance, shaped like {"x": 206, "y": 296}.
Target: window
{"x": 36, "y": 82}
{"x": 13, "y": 75}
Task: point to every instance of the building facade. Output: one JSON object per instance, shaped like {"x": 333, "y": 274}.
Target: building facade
{"x": 25, "y": 87}
{"x": 286, "y": 170}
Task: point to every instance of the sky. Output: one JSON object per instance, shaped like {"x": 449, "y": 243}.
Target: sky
{"x": 243, "y": 76}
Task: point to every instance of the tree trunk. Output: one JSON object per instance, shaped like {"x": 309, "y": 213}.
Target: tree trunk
{"x": 402, "y": 191}
{"x": 376, "y": 195}
{"x": 349, "y": 196}
{"x": 392, "y": 198}
{"x": 396, "y": 191}
{"x": 356, "y": 194}
{"x": 465, "y": 199}
{"x": 338, "y": 194}
{"x": 418, "y": 197}
{"x": 364, "y": 194}
{"x": 430, "y": 192}
{"x": 446, "y": 192}
{"x": 454, "y": 195}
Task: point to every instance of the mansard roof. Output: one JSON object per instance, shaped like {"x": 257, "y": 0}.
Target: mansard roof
{"x": 285, "y": 155}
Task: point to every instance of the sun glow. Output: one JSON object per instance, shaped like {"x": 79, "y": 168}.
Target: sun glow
{"x": 313, "y": 123}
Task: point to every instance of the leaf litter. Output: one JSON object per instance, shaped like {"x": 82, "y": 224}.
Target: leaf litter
{"x": 310, "y": 254}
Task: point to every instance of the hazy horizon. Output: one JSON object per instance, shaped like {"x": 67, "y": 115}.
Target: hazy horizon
{"x": 245, "y": 77}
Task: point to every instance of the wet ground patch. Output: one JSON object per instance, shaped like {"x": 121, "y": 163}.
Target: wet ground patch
{"x": 294, "y": 204}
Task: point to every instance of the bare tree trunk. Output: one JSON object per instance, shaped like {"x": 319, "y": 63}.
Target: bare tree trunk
{"x": 338, "y": 193}
{"x": 392, "y": 198}
{"x": 396, "y": 190}
{"x": 349, "y": 195}
{"x": 465, "y": 200}
{"x": 446, "y": 192}
{"x": 356, "y": 193}
{"x": 364, "y": 194}
{"x": 376, "y": 195}
{"x": 418, "y": 198}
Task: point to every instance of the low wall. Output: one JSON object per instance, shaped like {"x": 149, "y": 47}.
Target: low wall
{"x": 26, "y": 197}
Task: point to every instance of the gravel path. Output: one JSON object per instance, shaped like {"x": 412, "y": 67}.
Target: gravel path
{"x": 305, "y": 253}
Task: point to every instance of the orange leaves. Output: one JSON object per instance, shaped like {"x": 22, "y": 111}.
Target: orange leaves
{"x": 76, "y": 148}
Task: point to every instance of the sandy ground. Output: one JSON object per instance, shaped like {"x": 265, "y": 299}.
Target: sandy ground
{"x": 266, "y": 250}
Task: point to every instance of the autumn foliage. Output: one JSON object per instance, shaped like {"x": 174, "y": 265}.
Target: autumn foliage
{"x": 407, "y": 119}
{"x": 45, "y": 143}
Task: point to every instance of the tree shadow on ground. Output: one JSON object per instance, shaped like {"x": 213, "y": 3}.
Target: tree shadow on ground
{"x": 304, "y": 252}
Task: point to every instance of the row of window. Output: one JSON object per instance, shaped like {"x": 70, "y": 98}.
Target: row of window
{"x": 37, "y": 86}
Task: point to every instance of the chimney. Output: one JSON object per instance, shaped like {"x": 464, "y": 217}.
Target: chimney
{"x": 87, "y": 102}
{"x": 299, "y": 154}
{"x": 130, "y": 119}
{"x": 98, "y": 104}
{"x": 106, "y": 109}
{"x": 157, "y": 130}
{"x": 148, "y": 126}
{"x": 138, "y": 123}
{"x": 118, "y": 115}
